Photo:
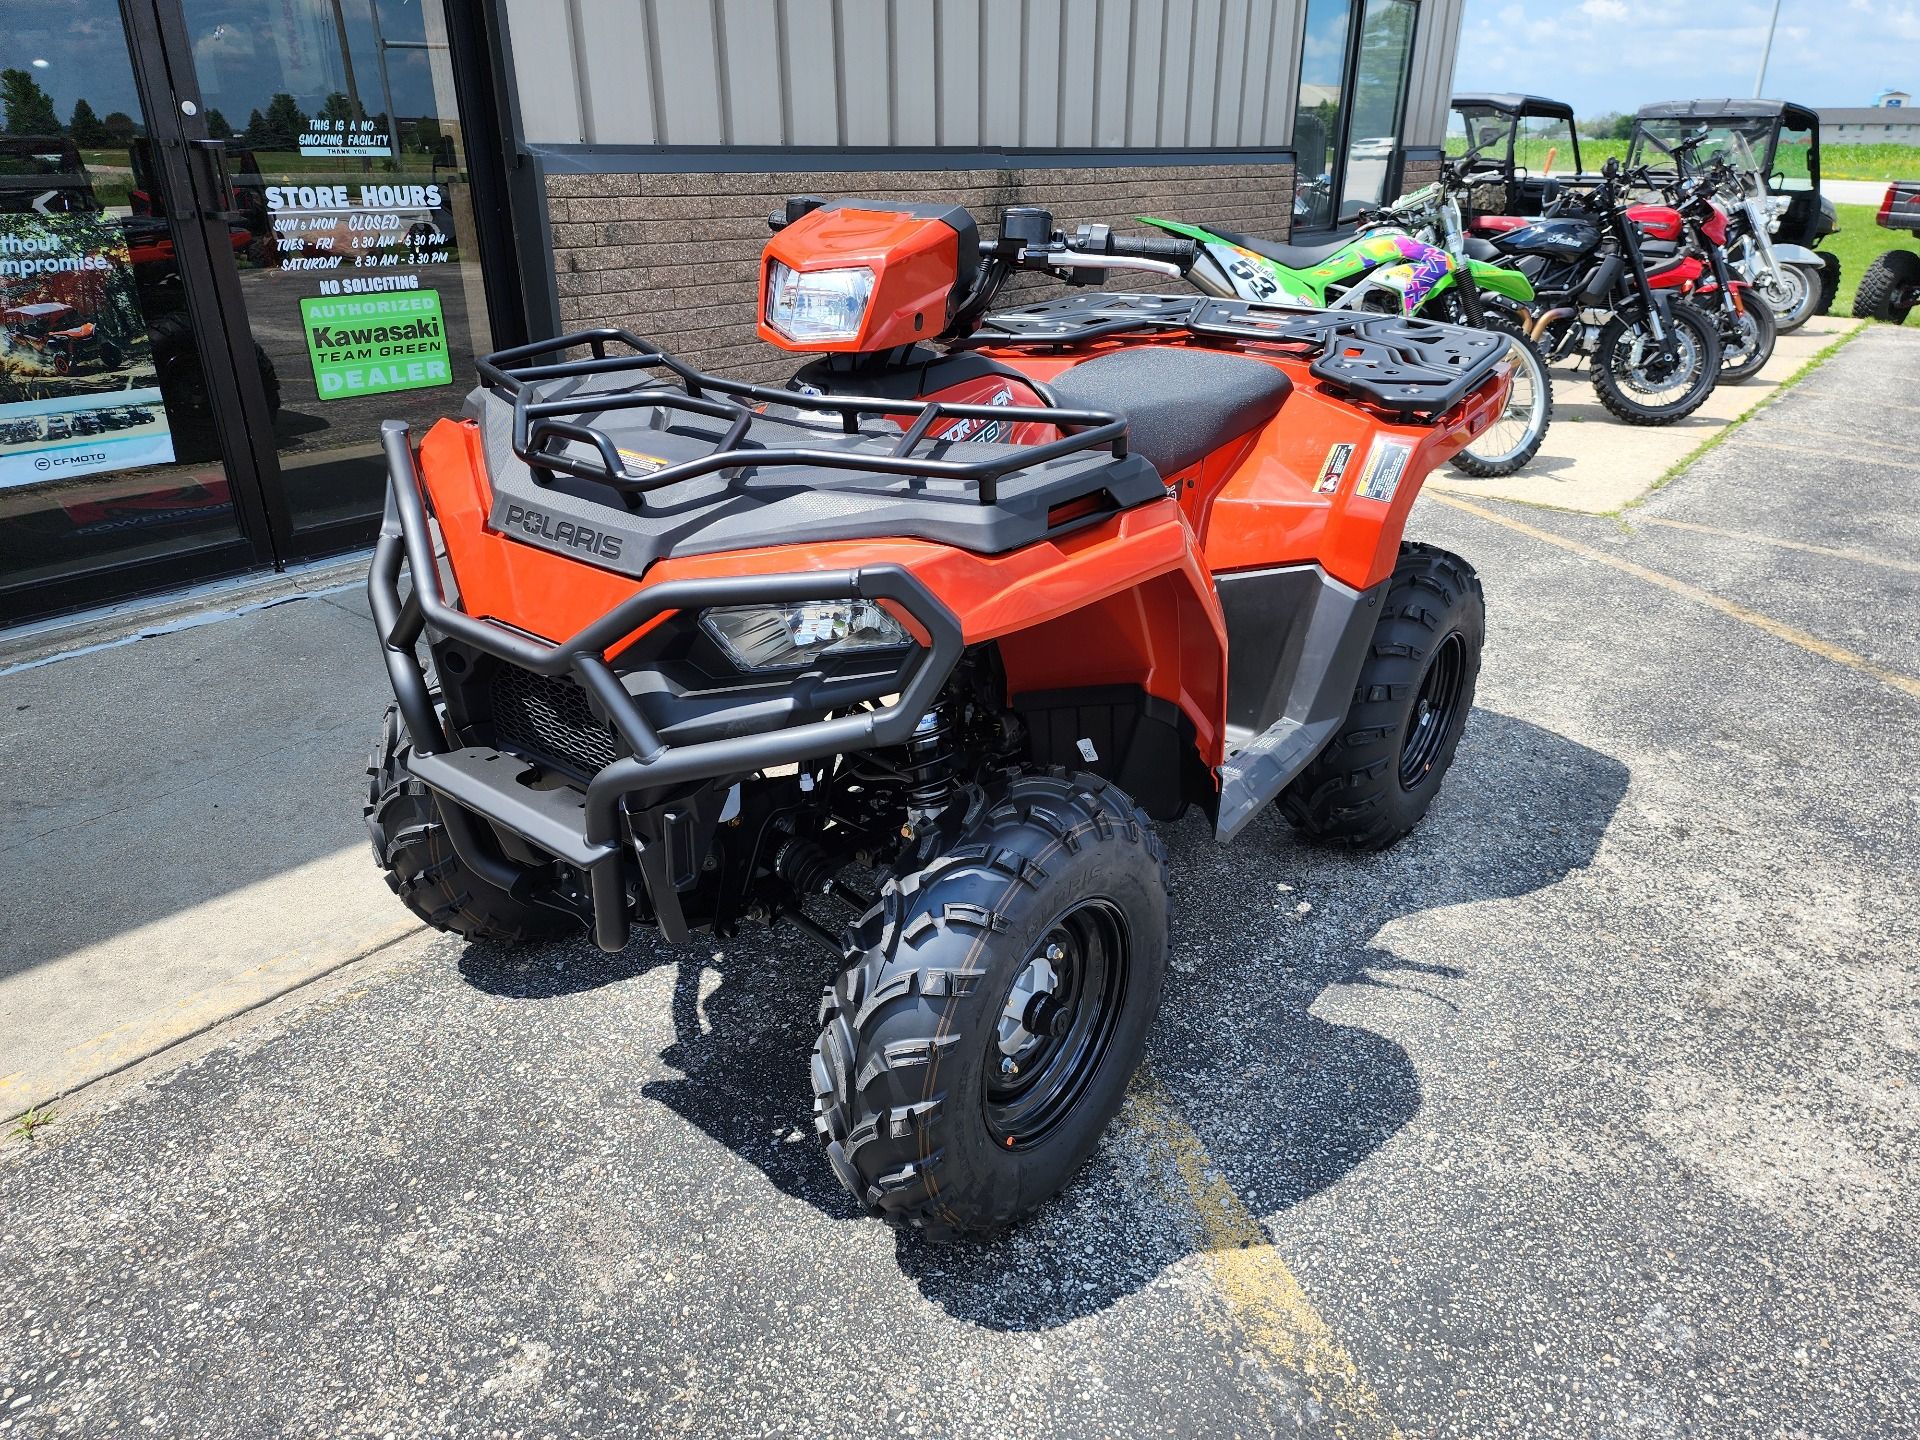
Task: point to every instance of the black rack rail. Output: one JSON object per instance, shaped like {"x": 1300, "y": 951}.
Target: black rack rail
{"x": 1400, "y": 363}
{"x": 542, "y": 427}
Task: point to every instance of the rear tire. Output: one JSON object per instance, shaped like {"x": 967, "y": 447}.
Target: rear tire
{"x": 1378, "y": 775}
{"x": 1538, "y": 412}
{"x": 410, "y": 845}
{"x": 1609, "y": 380}
{"x": 1885, "y": 279}
{"x": 922, "y": 1121}
{"x": 1829, "y": 282}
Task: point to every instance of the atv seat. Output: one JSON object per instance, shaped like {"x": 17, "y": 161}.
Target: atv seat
{"x": 1294, "y": 257}
{"x": 1180, "y": 405}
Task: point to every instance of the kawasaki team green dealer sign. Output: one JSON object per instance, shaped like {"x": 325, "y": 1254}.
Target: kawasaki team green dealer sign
{"x": 376, "y": 344}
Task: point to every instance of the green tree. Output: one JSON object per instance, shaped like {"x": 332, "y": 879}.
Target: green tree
{"x": 280, "y": 128}
{"x": 337, "y": 107}
{"x": 120, "y": 127}
{"x": 1622, "y": 128}
{"x": 217, "y": 126}
{"x": 85, "y": 126}
{"x": 29, "y": 109}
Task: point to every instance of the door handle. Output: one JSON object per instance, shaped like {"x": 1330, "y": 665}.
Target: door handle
{"x": 210, "y": 174}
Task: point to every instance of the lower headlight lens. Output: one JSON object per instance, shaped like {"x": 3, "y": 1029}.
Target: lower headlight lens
{"x": 788, "y": 637}
{"x": 808, "y": 305}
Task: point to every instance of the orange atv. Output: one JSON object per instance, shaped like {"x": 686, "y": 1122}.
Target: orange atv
{"x": 935, "y": 636}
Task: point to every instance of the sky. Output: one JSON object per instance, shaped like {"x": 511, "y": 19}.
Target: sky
{"x": 1617, "y": 55}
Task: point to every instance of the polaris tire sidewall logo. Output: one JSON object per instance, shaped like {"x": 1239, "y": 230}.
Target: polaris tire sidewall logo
{"x": 561, "y": 534}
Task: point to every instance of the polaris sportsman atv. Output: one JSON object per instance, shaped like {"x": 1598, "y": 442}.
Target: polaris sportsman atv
{"x": 933, "y": 645}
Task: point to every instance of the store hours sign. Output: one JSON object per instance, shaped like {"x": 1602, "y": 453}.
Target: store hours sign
{"x": 376, "y": 344}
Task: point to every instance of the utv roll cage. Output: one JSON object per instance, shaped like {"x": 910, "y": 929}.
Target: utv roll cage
{"x": 1762, "y": 123}
{"x": 1512, "y": 108}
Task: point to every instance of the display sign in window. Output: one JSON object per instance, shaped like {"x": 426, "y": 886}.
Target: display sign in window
{"x": 376, "y": 344}
{"x": 79, "y": 393}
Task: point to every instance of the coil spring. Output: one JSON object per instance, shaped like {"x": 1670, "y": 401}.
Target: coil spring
{"x": 931, "y": 762}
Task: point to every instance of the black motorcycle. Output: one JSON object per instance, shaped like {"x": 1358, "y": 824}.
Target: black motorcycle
{"x": 1655, "y": 358}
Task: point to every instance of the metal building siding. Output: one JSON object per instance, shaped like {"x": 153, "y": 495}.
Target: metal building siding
{"x": 963, "y": 73}
{"x": 1436, "y": 41}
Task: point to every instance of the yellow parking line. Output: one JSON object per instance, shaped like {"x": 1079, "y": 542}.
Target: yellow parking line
{"x": 1884, "y": 561}
{"x": 1264, "y": 1296}
{"x": 1812, "y": 644}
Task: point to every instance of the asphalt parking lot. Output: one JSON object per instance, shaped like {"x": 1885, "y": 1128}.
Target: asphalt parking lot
{"x": 1590, "y": 1110}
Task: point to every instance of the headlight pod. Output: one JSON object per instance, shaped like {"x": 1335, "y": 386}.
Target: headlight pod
{"x": 793, "y": 636}
{"x": 808, "y": 305}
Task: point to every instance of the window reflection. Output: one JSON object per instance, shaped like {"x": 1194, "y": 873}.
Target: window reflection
{"x": 1379, "y": 90}
{"x": 1316, "y": 115}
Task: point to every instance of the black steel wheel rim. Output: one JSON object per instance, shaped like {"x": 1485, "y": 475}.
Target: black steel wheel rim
{"x": 1434, "y": 710}
{"x": 1056, "y": 1023}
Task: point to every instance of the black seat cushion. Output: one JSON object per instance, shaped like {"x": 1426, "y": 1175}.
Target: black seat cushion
{"x": 1179, "y": 404}
{"x": 1294, "y": 257}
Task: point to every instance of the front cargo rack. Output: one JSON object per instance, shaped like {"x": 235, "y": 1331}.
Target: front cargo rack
{"x": 545, "y": 425}
{"x": 1400, "y": 363}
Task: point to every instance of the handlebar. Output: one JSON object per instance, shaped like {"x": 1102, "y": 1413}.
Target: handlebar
{"x": 1028, "y": 241}
{"x": 1171, "y": 249}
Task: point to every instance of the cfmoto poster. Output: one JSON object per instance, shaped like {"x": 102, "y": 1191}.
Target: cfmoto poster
{"x": 78, "y": 389}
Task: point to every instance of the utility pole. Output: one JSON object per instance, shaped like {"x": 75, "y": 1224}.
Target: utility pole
{"x": 1766, "y": 53}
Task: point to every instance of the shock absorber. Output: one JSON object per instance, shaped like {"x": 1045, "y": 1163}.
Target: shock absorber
{"x": 931, "y": 765}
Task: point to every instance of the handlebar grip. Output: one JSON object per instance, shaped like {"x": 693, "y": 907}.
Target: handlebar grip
{"x": 1173, "y": 248}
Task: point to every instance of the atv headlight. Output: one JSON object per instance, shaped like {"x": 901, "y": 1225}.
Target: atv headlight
{"x": 788, "y": 637}
{"x": 817, "y": 304}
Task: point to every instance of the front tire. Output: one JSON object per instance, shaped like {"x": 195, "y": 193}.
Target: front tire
{"x": 1377, "y": 776}
{"x": 1515, "y": 438}
{"x": 1646, "y": 389}
{"x": 1794, "y": 294}
{"x": 995, "y": 1007}
{"x": 1747, "y": 355}
{"x": 1895, "y": 276}
{"x": 411, "y": 847}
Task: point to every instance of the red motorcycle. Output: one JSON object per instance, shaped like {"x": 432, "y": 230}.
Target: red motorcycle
{"x": 1692, "y": 230}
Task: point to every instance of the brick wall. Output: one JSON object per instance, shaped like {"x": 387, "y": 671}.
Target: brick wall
{"x": 676, "y": 258}
{"x": 1415, "y": 173}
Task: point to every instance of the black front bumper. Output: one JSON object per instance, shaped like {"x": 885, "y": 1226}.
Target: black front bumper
{"x": 585, "y": 828}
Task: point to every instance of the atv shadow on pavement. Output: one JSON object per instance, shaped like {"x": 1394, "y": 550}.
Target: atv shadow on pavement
{"x": 1287, "y": 1103}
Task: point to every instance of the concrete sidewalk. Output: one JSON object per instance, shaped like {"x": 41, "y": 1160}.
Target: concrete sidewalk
{"x": 1594, "y": 463}
{"x": 187, "y": 842}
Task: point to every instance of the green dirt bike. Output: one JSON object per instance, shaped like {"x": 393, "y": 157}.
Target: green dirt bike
{"x": 1409, "y": 258}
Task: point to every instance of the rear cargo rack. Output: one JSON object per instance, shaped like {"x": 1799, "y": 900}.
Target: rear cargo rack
{"x": 543, "y": 426}
{"x": 1398, "y": 363}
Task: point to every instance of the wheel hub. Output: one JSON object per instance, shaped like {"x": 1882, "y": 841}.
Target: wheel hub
{"x": 1434, "y": 709}
{"x": 1055, "y": 1024}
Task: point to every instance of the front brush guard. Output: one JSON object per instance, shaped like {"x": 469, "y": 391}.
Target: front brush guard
{"x": 586, "y": 832}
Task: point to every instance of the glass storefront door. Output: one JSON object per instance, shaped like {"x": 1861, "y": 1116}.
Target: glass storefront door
{"x": 1346, "y": 128}
{"x": 362, "y": 290}
{"x": 110, "y": 458}
{"x": 235, "y": 235}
